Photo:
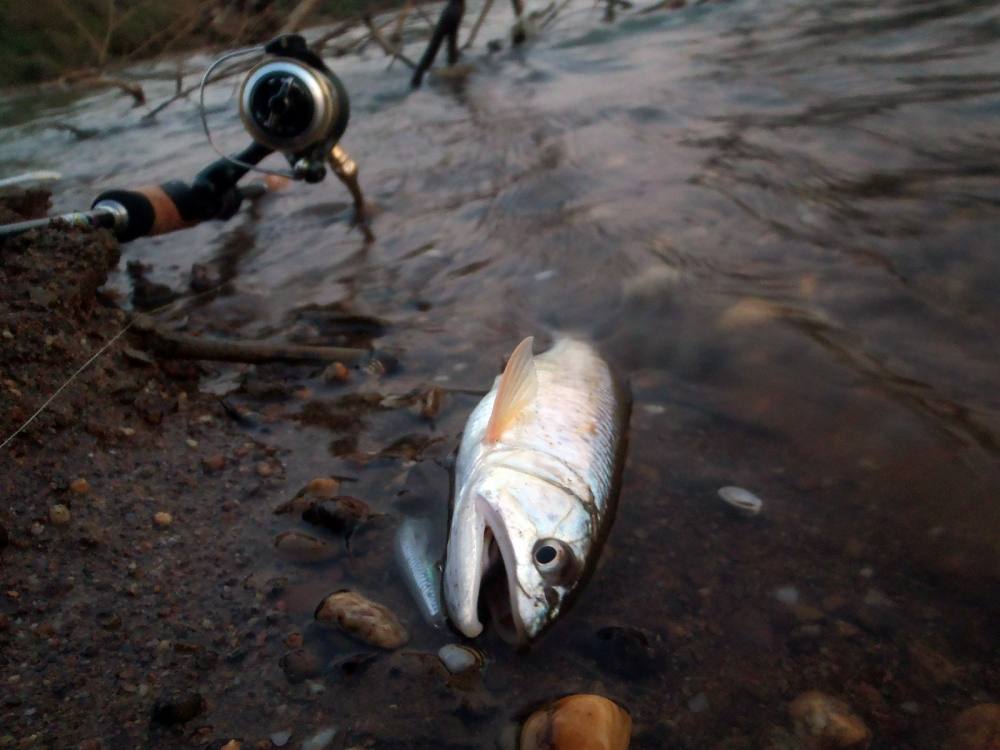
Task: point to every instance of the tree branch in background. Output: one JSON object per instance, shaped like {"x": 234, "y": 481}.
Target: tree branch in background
{"x": 479, "y": 22}
{"x": 241, "y": 67}
{"x": 131, "y": 88}
{"x": 381, "y": 40}
{"x": 74, "y": 19}
{"x": 297, "y": 18}
{"x": 396, "y": 37}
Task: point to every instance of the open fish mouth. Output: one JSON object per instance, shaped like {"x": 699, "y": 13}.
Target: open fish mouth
{"x": 494, "y": 585}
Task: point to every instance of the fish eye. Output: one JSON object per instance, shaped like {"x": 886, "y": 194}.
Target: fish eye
{"x": 545, "y": 554}
{"x": 552, "y": 556}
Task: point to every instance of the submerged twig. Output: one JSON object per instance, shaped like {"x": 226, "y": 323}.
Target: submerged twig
{"x": 171, "y": 345}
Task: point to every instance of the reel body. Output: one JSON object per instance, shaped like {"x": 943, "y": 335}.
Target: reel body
{"x": 294, "y": 104}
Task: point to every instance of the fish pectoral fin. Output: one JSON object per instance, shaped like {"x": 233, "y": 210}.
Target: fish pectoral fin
{"x": 518, "y": 386}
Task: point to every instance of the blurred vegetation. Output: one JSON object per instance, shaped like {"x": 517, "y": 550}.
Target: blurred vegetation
{"x": 47, "y": 39}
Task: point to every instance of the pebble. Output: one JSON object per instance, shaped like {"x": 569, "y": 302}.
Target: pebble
{"x": 787, "y": 595}
{"x": 80, "y": 486}
{"x": 323, "y": 487}
{"x": 698, "y": 703}
{"x": 264, "y": 469}
{"x": 59, "y": 515}
{"x": 178, "y": 710}
{"x": 340, "y": 514}
{"x": 744, "y": 502}
{"x": 336, "y": 373}
{"x": 363, "y": 619}
{"x": 320, "y": 740}
{"x": 280, "y": 739}
{"x": 976, "y": 728}
{"x": 578, "y": 722}
{"x": 303, "y": 548}
{"x": 163, "y": 519}
{"x": 300, "y": 665}
{"x": 460, "y": 659}
{"x": 826, "y": 723}
{"x": 931, "y": 666}
{"x": 213, "y": 463}
{"x": 37, "y": 529}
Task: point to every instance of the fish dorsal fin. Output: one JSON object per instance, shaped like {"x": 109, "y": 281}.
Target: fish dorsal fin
{"x": 518, "y": 386}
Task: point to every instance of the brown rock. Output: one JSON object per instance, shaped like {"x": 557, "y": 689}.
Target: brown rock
{"x": 336, "y": 373}
{"x": 163, "y": 519}
{"x": 300, "y": 665}
{"x": 578, "y": 722}
{"x": 931, "y": 666}
{"x": 825, "y": 723}
{"x": 341, "y": 514}
{"x": 213, "y": 464}
{"x": 363, "y": 619}
{"x": 299, "y": 547}
{"x": 59, "y": 515}
{"x": 976, "y": 728}
{"x": 80, "y": 486}
{"x": 323, "y": 487}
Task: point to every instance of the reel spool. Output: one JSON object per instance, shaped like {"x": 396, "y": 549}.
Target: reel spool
{"x": 291, "y": 103}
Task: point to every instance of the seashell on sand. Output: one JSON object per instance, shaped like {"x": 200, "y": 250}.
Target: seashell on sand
{"x": 578, "y": 722}
{"x": 742, "y": 501}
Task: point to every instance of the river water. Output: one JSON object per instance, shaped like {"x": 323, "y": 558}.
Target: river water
{"x": 777, "y": 218}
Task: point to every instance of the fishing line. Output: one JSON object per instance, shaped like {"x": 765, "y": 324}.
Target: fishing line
{"x": 104, "y": 347}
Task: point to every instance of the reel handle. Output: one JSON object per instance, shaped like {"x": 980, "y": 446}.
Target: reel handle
{"x": 159, "y": 209}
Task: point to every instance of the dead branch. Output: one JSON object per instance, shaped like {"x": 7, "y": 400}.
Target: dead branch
{"x": 389, "y": 49}
{"x": 131, "y": 88}
{"x": 396, "y": 37}
{"x": 171, "y": 345}
{"x": 552, "y": 16}
{"x": 299, "y": 15}
{"x": 479, "y": 22}
{"x": 73, "y": 18}
{"x": 334, "y": 33}
{"x": 79, "y": 133}
{"x": 423, "y": 14}
{"x": 172, "y": 33}
{"x": 184, "y": 93}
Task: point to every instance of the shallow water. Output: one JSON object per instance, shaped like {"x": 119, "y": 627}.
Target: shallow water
{"x": 777, "y": 219}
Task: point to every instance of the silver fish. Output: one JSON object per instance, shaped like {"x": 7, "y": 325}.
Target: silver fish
{"x": 420, "y": 568}
{"x": 535, "y": 484}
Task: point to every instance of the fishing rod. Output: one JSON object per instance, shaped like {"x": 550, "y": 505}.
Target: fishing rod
{"x": 290, "y": 103}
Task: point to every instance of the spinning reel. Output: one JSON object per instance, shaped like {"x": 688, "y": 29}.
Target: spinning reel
{"x": 290, "y": 102}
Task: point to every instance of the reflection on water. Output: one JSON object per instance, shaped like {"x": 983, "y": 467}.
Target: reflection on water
{"x": 779, "y": 219}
